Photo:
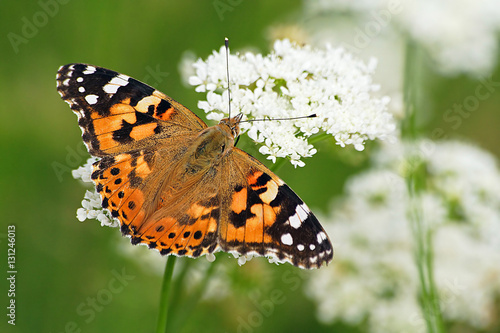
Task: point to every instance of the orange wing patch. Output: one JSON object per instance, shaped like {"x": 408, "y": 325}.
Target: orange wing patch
{"x": 239, "y": 202}
{"x": 119, "y": 180}
{"x": 254, "y": 227}
{"x": 113, "y": 123}
{"x": 157, "y": 106}
{"x": 251, "y": 215}
{"x": 192, "y": 234}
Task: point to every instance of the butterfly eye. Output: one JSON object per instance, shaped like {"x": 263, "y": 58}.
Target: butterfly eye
{"x": 222, "y": 148}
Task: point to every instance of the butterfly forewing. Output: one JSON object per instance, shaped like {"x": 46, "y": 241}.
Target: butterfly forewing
{"x": 118, "y": 113}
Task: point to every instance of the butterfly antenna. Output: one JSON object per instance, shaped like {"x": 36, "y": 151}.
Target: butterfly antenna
{"x": 226, "y": 43}
{"x": 271, "y": 119}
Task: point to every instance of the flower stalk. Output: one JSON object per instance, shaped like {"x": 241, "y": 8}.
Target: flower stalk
{"x": 415, "y": 181}
{"x": 166, "y": 288}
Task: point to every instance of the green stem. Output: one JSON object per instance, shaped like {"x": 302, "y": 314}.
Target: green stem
{"x": 161, "y": 327}
{"x": 190, "y": 303}
{"x": 410, "y": 84}
{"x": 416, "y": 180}
{"x": 420, "y": 258}
{"x": 178, "y": 288}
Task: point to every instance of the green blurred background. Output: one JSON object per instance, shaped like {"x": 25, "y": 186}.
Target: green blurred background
{"x": 62, "y": 263}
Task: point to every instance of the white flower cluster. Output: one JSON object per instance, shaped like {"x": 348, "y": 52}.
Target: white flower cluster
{"x": 374, "y": 275}
{"x": 460, "y": 35}
{"x": 91, "y": 204}
{"x": 294, "y": 81}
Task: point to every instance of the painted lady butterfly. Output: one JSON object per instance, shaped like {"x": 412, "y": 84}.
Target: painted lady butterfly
{"x": 182, "y": 187}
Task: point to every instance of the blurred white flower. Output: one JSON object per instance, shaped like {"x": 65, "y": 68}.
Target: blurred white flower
{"x": 461, "y": 36}
{"x": 374, "y": 275}
{"x": 294, "y": 81}
{"x": 465, "y": 177}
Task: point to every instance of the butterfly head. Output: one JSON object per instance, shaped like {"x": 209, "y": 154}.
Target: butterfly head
{"x": 233, "y": 124}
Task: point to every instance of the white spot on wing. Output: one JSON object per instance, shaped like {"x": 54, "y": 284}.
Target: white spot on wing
{"x": 118, "y": 81}
{"x": 65, "y": 82}
{"x": 287, "y": 239}
{"x": 294, "y": 220}
{"x": 321, "y": 237}
{"x": 89, "y": 70}
{"x": 91, "y": 99}
{"x": 79, "y": 79}
{"x": 303, "y": 211}
{"x": 312, "y": 247}
{"x": 110, "y": 88}
{"x": 81, "y": 89}
{"x": 300, "y": 247}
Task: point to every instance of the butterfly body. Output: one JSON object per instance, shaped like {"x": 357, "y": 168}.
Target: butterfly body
{"x": 179, "y": 186}
{"x": 210, "y": 147}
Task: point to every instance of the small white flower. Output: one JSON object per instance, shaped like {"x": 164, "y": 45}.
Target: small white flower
{"x": 210, "y": 257}
{"x": 85, "y": 171}
{"x": 242, "y": 259}
{"x": 294, "y": 81}
{"x": 81, "y": 214}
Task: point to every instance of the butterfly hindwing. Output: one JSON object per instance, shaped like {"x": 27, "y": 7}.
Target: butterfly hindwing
{"x": 121, "y": 182}
{"x": 265, "y": 217}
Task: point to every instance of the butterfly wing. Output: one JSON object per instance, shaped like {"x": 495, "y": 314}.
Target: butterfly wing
{"x": 118, "y": 113}
{"x": 138, "y": 131}
{"x": 263, "y": 216}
